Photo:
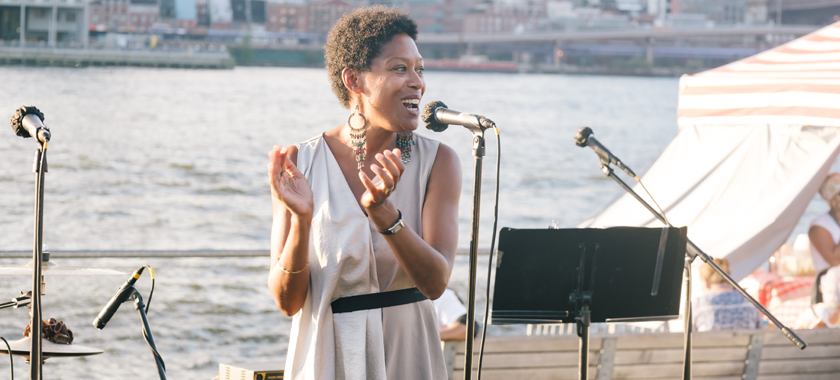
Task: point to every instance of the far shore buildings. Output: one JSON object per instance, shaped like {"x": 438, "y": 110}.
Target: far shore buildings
{"x": 50, "y": 23}
{"x": 73, "y": 23}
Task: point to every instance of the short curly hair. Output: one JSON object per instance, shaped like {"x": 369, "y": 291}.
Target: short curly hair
{"x": 357, "y": 38}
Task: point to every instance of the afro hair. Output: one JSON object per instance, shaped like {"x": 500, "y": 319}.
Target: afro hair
{"x": 357, "y": 38}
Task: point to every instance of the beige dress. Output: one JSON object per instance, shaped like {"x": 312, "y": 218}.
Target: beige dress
{"x": 349, "y": 257}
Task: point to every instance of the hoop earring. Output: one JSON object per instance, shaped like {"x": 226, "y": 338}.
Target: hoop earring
{"x": 404, "y": 142}
{"x": 358, "y": 136}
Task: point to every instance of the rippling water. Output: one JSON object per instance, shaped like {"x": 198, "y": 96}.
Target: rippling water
{"x": 204, "y": 311}
{"x": 175, "y": 159}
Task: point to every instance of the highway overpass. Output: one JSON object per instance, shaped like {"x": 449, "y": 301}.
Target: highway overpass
{"x": 630, "y": 34}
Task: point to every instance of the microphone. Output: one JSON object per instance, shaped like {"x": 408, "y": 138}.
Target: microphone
{"x": 437, "y": 118}
{"x": 28, "y": 121}
{"x": 584, "y": 138}
{"x": 122, "y": 295}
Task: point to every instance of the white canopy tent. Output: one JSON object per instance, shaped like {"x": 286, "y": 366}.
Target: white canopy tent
{"x": 756, "y": 139}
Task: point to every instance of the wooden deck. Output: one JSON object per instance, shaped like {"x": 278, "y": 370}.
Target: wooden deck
{"x": 757, "y": 354}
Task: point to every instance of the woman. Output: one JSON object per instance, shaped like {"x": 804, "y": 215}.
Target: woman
{"x": 824, "y": 232}
{"x": 365, "y": 216}
{"x": 827, "y": 312}
{"x": 721, "y": 307}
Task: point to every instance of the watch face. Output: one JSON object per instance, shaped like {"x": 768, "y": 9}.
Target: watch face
{"x": 398, "y": 227}
{"x": 393, "y": 230}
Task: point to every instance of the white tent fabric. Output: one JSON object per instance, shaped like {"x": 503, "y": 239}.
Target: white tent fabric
{"x": 795, "y": 83}
{"x": 740, "y": 190}
{"x": 757, "y": 138}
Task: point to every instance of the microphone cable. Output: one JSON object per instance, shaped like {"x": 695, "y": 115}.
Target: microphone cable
{"x": 11, "y": 362}
{"x": 146, "y": 333}
{"x": 490, "y": 259}
{"x": 155, "y": 353}
{"x": 152, "y": 290}
{"x": 667, "y": 222}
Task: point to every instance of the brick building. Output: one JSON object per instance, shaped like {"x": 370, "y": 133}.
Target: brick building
{"x": 503, "y": 19}
{"x": 109, "y": 13}
{"x": 286, "y": 18}
{"x": 323, "y": 15}
{"x": 428, "y": 14}
{"x": 143, "y": 15}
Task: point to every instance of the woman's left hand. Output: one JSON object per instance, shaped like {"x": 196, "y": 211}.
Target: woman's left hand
{"x": 389, "y": 173}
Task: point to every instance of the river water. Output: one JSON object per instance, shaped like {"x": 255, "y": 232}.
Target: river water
{"x": 148, "y": 159}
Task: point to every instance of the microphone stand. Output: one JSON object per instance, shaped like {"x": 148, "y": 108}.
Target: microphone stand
{"x": 478, "y": 154}
{"x": 147, "y": 331}
{"x": 35, "y": 358}
{"x": 692, "y": 252}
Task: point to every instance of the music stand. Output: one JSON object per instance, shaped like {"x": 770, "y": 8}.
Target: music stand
{"x": 586, "y": 275}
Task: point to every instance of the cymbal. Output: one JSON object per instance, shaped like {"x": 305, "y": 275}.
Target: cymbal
{"x": 50, "y": 268}
{"x": 48, "y": 349}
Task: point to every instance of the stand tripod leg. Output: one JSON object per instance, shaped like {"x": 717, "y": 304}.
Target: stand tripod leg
{"x": 583, "y": 366}
{"x": 688, "y": 324}
{"x": 478, "y": 153}
{"x": 36, "y": 366}
{"x": 583, "y": 348}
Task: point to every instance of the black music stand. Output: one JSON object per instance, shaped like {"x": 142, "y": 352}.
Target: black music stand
{"x": 586, "y": 275}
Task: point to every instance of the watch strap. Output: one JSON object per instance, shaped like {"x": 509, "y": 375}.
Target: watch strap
{"x": 399, "y": 225}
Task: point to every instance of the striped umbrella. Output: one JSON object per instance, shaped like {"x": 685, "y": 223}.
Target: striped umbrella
{"x": 797, "y": 83}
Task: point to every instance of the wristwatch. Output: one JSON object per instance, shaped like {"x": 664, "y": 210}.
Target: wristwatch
{"x": 395, "y": 228}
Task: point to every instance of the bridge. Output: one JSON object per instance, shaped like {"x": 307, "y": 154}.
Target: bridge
{"x": 544, "y": 50}
{"x": 630, "y": 34}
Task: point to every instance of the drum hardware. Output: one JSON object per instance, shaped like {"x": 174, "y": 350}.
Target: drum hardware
{"x": 49, "y": 349}
{"x": 24, "y": 300}
{"x": 49, "y": 268}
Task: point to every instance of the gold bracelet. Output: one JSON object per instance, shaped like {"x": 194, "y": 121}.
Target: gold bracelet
{"x": 293, "y": 272}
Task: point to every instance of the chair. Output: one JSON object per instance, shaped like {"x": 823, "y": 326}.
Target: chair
{"x": 816, "y": 293}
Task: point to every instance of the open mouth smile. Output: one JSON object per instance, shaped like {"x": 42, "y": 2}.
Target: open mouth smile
{"x": 412, "y": 105}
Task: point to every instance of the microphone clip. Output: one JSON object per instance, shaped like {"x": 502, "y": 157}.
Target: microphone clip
{"x": 584, "y": 138}
{"x": 480, "y": 124}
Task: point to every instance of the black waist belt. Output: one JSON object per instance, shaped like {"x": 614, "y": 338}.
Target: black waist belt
{"x": 377, "y": 300}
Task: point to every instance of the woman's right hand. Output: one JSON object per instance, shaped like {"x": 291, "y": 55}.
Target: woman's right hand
{"x": 288, "y": 185}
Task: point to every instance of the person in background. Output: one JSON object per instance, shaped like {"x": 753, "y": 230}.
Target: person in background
{"x": 722, "y": 307}
{"x": 451, "y": 316}
{"x": 824, "y": 231}
{"x": 827, "y": 312}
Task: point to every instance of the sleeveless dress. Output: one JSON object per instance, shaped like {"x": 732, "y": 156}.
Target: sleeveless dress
{"x": 830, "y": 225}
{"x": 347, "y": 257}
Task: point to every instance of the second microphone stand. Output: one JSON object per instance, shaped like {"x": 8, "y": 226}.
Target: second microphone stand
{"x": 35, "y": 348}
{"x": 478, "y": 154}
{"x": 692, "y": 252}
